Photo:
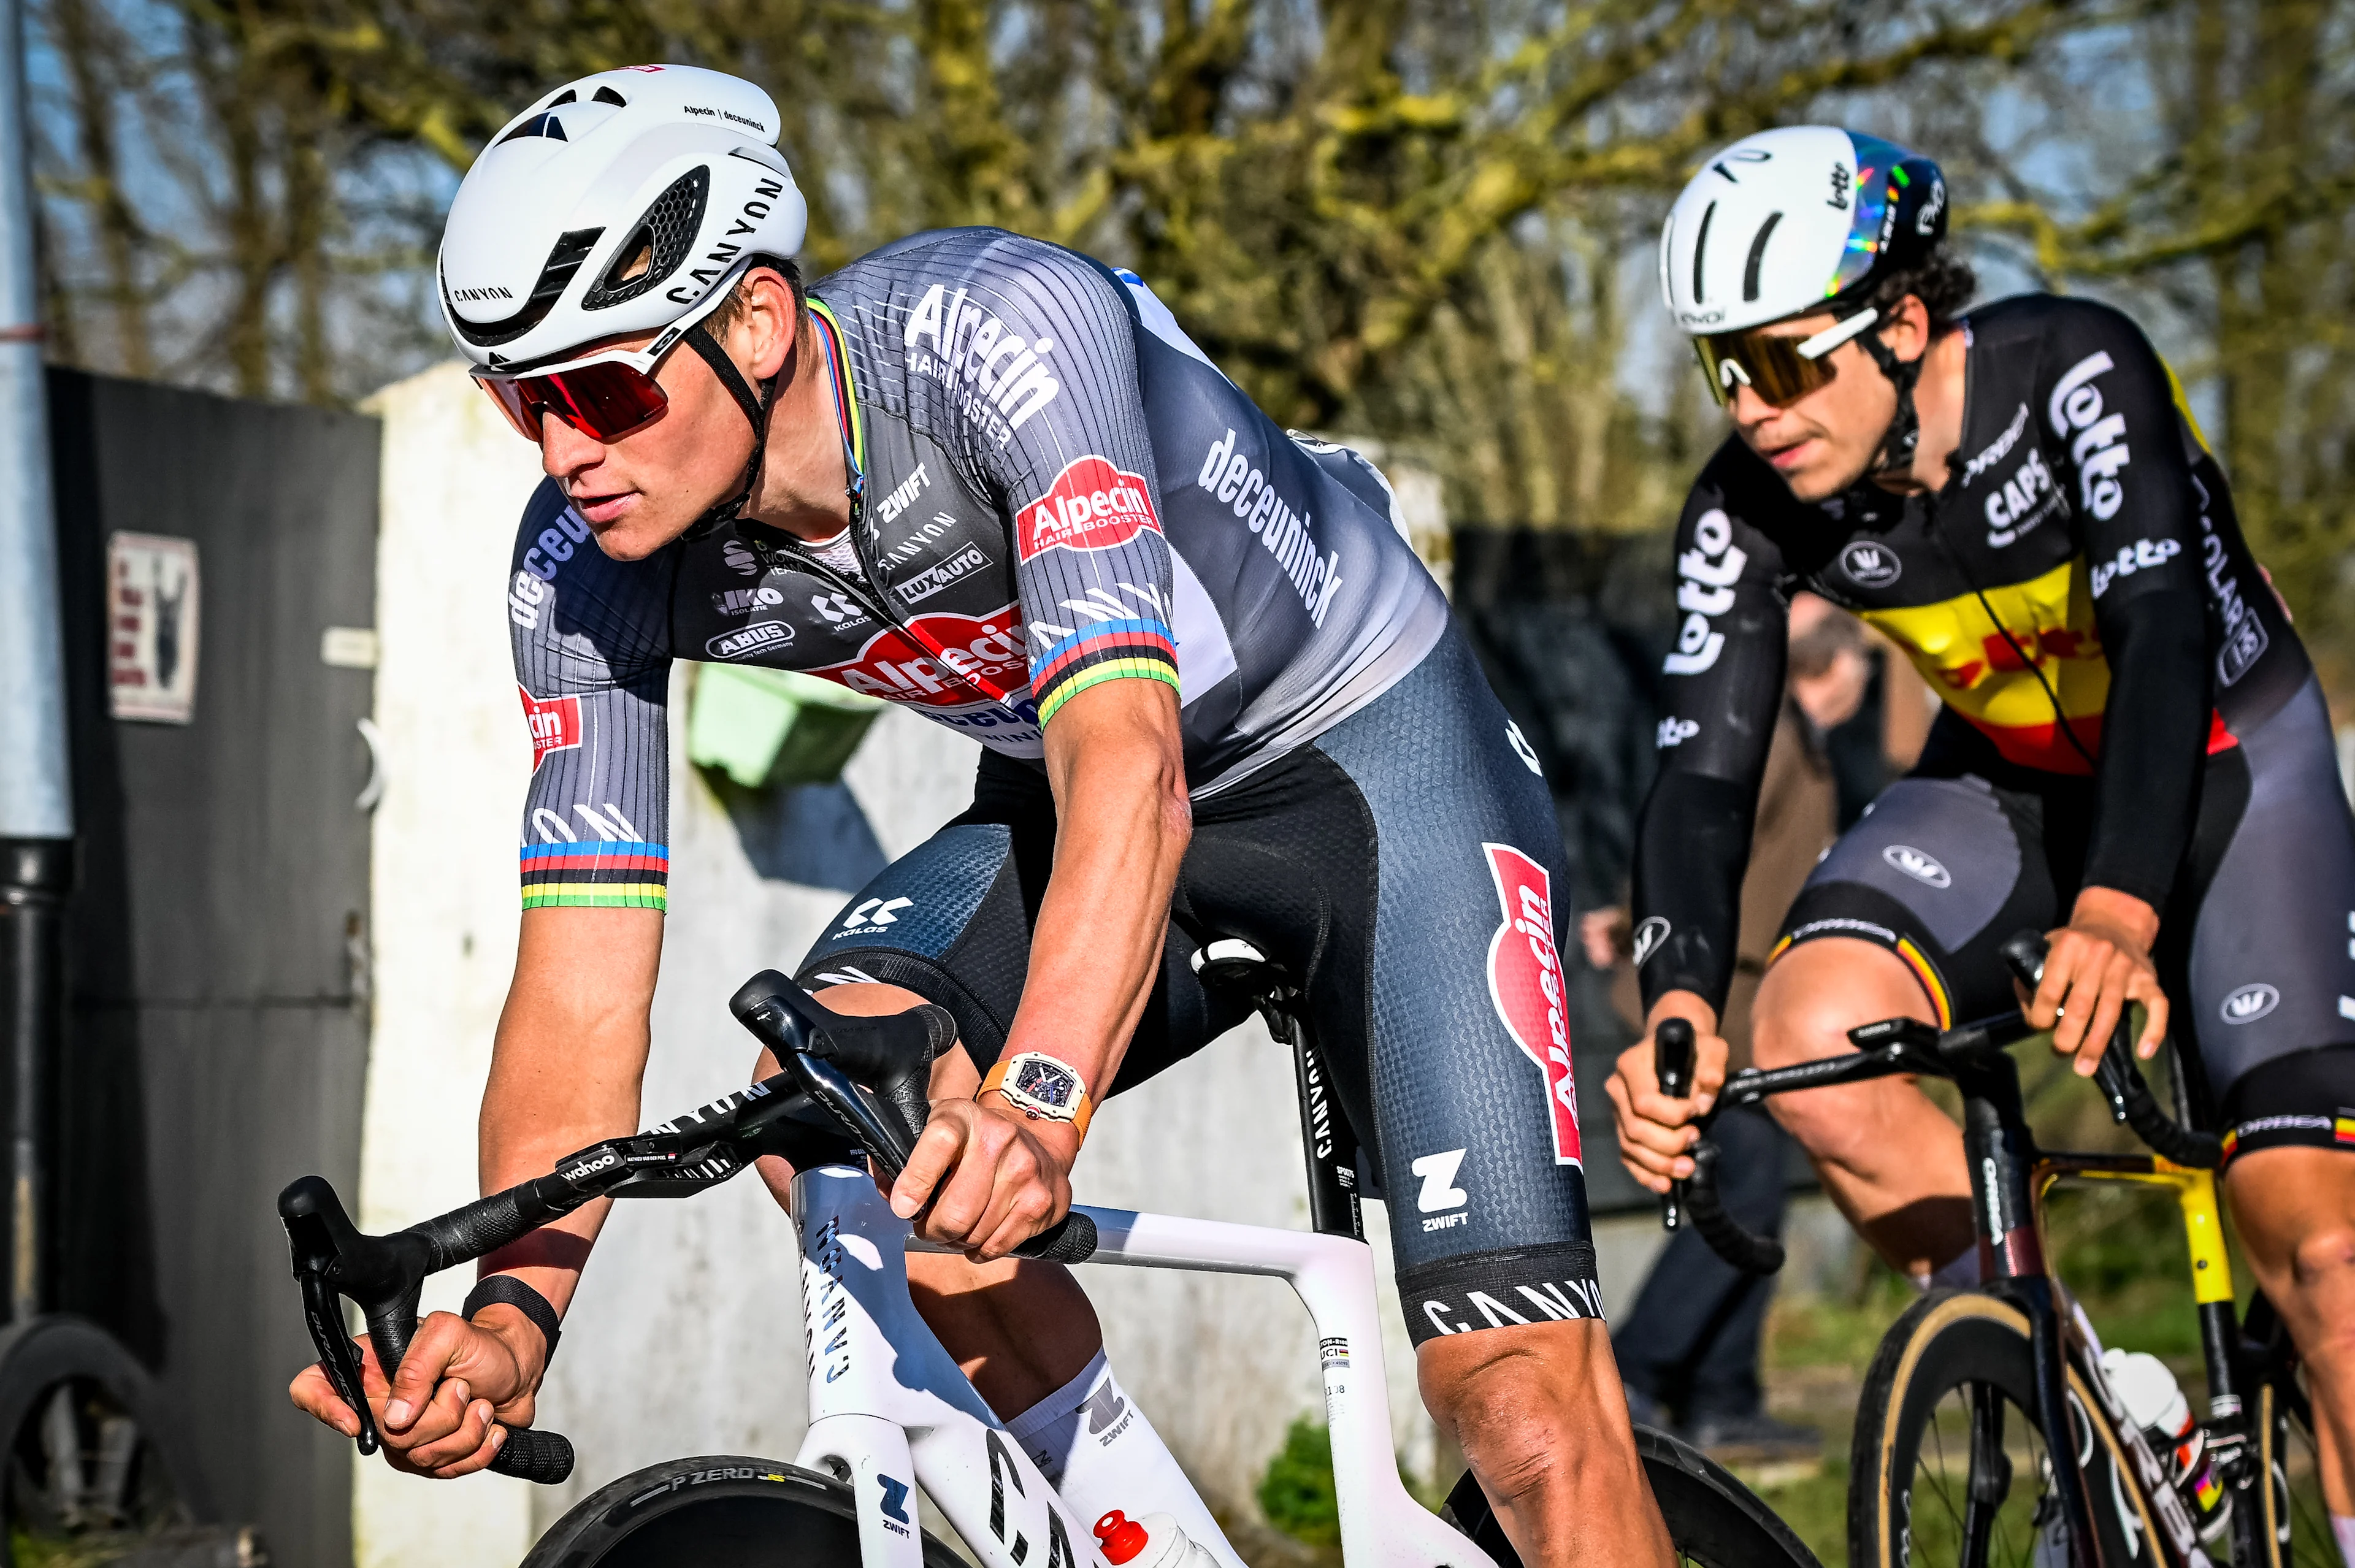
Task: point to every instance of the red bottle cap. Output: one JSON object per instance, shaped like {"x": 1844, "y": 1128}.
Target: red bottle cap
{"x": 1122, "y": 1536}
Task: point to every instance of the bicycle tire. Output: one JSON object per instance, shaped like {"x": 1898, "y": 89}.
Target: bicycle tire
{"x": 2294, "y": 1521}
{"x": 718, "y": 1511}
{"x": 1973, "y": 1345}
{"x": 1713, "y": 1519}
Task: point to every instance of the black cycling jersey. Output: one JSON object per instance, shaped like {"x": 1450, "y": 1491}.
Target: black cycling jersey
{"x": 1053, "y": 487}
{"x": 2078, "y": 595}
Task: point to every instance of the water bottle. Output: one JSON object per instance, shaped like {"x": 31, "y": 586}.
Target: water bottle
{"x": 2154, "y": 1402}
{"x": 1153, "y": 1542}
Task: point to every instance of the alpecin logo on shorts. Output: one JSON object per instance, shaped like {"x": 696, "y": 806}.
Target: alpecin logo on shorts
{"x": 1525, "y": 982}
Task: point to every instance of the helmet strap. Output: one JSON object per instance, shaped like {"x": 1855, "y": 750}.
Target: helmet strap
{"x": 708, "y": 347}
{"x": 1905, "y": 433}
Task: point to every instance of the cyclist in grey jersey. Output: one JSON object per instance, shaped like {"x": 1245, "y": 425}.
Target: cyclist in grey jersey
{"x": 1262, "y": 575}
{"x": 1216, "y": 694}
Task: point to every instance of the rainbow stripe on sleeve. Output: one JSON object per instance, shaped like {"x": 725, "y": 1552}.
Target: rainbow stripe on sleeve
{"x": 1107, "y": 650}
{"x": 613, "y": 874}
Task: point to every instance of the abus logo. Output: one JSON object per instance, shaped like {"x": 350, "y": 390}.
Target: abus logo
{"x": 943, "y": 660}
{"x": 759, "y": 638}
{"x": 1091, "y": 505}
{"x": 1525, "y": 983}
{"x": 555, "y": 724}
{"x": 1923, "y": 869}
{"x": 2249, "y": 1004}
{"x": 1870, "y": 565}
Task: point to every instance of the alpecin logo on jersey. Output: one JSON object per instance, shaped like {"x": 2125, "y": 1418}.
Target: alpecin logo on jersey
{"x": 943, "y": 660}
{"x": 555, "y": 724}
{"x": 1091, "y": 505}
{"x": 1525, "y": 982}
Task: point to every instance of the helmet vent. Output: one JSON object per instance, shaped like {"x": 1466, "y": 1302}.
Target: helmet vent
{"x": 1757, "y": 259}
{"x": 1700, "y": 248}
{"x": 563, "y": 98}
{"x": 571, "y": 249}
{"x": 664, "y": 237}
{"x": 545, "y": 125}
{"x": 607, "y": 95}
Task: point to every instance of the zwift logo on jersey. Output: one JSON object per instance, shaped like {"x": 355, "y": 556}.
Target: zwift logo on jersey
{"x": 941, "y": 660}
{"x": 1525, "y": 982}
{"x": 555, "y": 724}
{"x": 1001, "y": 377}
{"x": 1091, "y": 505}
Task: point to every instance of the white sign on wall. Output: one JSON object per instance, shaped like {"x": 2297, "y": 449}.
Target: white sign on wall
{"x": 151, "y": 627}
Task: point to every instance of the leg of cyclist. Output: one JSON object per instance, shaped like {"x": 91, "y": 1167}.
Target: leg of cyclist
{"x": 1892, "y": 1160}
{"x": 2294, "y": 1208}
{"x": 1542, "y": 1421}
{"x": 1444, "y": 1020}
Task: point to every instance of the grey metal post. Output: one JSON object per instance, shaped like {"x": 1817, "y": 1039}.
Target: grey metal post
{"x": 37, "y": 824}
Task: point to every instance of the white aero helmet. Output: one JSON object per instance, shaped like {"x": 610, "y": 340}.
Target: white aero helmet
{"x": 1792, "y": 221}
{"x": 617, "y": 204}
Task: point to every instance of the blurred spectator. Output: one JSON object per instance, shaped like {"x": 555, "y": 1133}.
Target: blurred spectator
{"x": 1853, "y": 720}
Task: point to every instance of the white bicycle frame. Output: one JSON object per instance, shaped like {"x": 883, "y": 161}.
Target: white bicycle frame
{"x": 888, "y": 1407}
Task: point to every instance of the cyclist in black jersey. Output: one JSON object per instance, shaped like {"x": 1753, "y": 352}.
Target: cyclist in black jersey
{"x": 1216, "y": 694}
{"x": 2133, "y": 751}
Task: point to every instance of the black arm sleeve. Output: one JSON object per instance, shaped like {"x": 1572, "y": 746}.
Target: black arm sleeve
{"x": 1720, "y": 691}
{"x": 2111, "y": 417}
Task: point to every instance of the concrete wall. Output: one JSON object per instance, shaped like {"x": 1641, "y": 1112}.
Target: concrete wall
{"x": 685, "y": 1337}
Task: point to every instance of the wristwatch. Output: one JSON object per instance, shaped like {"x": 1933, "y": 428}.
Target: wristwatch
{"x": 1042, "y": 1089}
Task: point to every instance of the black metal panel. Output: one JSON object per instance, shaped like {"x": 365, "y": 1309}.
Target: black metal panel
{"x": 218, "y": 1034}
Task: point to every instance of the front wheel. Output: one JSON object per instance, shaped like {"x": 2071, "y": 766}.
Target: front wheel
{"x": 1949, "y": 1465}
{"x": 1713, "y": 1519}
{"x": 723, "y": 1512}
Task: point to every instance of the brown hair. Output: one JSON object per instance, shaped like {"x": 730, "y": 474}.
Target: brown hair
{"x": 1941, "y": 280}
{"x": 731, "y": 309}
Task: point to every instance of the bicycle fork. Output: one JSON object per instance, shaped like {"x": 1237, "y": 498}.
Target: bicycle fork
{"x": 2006, "y": 1174}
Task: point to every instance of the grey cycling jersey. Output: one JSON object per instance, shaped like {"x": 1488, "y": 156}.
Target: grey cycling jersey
{"x": 1053, "y": 486}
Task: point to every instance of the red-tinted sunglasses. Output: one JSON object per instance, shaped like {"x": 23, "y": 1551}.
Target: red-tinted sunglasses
{"x": 605, "y": 397}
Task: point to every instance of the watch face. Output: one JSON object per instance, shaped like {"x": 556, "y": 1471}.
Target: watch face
{"x": 1044, "y": 1081}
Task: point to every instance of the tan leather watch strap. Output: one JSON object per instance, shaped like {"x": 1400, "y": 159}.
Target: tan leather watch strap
{"x": 1081, "y": 1112}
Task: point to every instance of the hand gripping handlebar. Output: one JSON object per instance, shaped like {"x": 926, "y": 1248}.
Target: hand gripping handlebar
{"x": 871, "y": 1074}
{"x": 1673, "y": 1050}
{"x": 850, "y": 1084}
{"x": 2121, "y": 1082}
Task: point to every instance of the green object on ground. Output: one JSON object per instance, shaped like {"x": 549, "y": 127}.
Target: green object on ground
{"x": 1297, "y": 1493}
{"x": 767, "y": 728}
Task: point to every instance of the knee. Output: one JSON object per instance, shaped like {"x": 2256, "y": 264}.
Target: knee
{"x": 1525, "y": 1403}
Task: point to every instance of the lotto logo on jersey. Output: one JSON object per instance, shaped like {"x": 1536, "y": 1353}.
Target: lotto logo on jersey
{"x": 943, "y": 660}
{"x": 1525, "y": 982}
{"x": 555, "y": 724}
{"x": 1091, "y": 505}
